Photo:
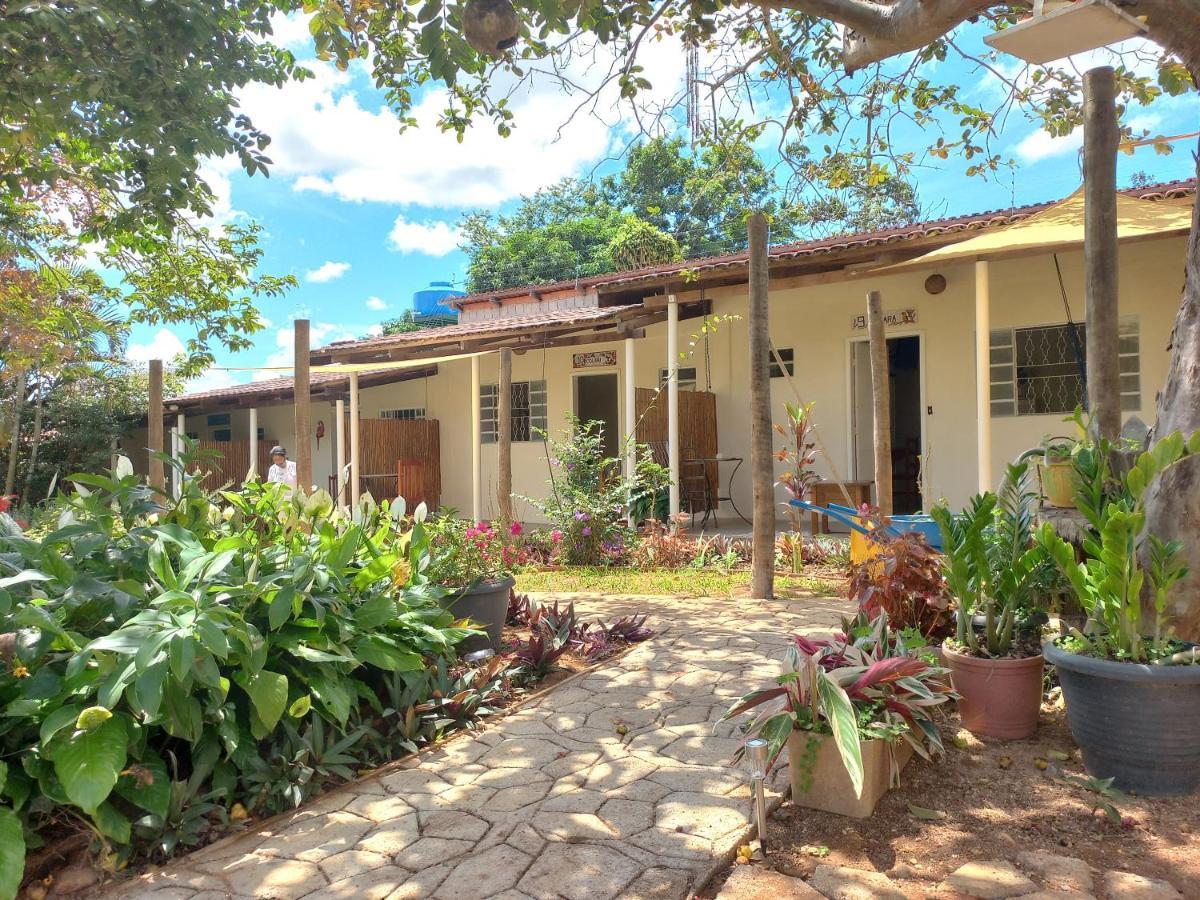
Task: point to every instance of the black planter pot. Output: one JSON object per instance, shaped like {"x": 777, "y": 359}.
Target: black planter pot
{"x": 1135, "y": 723}
{"x": 487, "y": 605}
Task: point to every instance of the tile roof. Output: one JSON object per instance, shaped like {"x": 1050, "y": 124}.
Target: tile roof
{"x": 837, "y": 243}
{"x": 274, "y": 386}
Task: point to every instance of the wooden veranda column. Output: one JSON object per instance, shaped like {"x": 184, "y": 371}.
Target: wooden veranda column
{"x": 673, "y": 402}
{"x": 1100, "y": 138}
{"x": 762, "y": 465}
{"x": 154, "y": 427}
{"x": 630, "y": 420}
{"x": 983, "y": 376}
{"x": 504, "y": 439}
{"x": 881, "y": 402}
{"x": 302, "y": 393}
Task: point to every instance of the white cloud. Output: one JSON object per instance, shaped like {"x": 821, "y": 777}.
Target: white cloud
{"x": 291, "y": 30}
{"x": 319, "y": 335}
{"x": 1040, "y": 145}
{"x": 329, "y": 139}
{"x": 165, "y": 345}
{"x": 375, "y": 331}
{"x": 214, "y": 380}
{"x": 327, "y": 271}
{"x": 432, "y": 238}
{"x": 377, "y": 304}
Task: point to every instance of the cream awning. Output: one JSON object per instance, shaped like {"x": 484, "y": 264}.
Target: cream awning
{"x": 346, "y": 368}
{"x": 1060, "y": 228}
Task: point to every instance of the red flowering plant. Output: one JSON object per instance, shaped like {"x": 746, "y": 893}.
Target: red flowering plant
{"x": 463, "y": 554}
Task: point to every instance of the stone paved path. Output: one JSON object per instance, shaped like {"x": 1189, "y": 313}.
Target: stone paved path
{"x": 551, "y": 802}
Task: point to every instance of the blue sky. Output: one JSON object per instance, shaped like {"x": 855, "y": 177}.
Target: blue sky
{"x": 364, "y": 215}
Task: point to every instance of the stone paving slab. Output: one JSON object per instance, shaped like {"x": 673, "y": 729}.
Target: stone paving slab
{"x": 550, "y": 802}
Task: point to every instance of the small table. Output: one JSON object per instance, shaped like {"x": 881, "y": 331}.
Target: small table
{"x": 711, "y": 508}
{"x": 826, "y": 492}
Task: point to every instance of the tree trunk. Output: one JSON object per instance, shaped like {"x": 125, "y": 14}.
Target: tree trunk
{"x": 504, "y": 439}
{"x": 154, "y": 428}
{"x": 14, "y": 442}
{"x": 881, "y": 403}
{"x": 1173, "y": 499}
{"x": 302, "y": 397}
{"x": 35, "y": 441}
{"x": 762, "y": 466}
{"x": 1100, "y": 137}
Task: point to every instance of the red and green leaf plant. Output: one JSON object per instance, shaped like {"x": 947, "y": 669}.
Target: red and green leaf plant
{"x": 905, "y": 581}
{"x": 799, "y": 453}
{"x": 868, "y": 688}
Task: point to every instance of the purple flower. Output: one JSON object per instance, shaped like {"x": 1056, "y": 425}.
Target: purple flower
{"x": 587, "y": 532}
{"x": 582, "y": 516}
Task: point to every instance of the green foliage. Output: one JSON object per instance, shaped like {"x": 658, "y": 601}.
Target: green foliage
{"x": 590, "y": 495}
{"x": 855, "y": 687}
{"x": 638, "y": 244}
{"x": 1124, "y": 565}
{"x": 173, "y": 657}
{"x": 992, "y": 565}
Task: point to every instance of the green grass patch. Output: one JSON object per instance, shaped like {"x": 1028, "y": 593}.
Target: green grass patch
{"x": 677, "y": 582}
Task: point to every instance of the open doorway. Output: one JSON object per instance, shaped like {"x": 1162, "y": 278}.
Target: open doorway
{"x": 904, "y": 374}
{"x": 596, "y": 401}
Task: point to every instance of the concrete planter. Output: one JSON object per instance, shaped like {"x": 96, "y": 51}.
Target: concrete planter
{"x": 1134, "y": 723}
{"x": 829, "y": 788}
{"x": 486, "y": 604}
{"x": 998, "y": 698}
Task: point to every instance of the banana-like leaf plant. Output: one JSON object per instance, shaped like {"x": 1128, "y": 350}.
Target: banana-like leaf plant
{"x": 855, "y": 690}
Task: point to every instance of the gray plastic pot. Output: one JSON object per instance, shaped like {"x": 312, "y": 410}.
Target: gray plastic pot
{"x": 486, "y": 604}
{"x": 1135, "y": 723}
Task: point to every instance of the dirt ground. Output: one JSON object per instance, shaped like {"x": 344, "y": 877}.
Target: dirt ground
{"x": 994, "y": 799}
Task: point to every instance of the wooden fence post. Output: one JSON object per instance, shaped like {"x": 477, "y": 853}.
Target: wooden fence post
{"x": 301, "y": 391}
{"x": 154, "y": 427}
{"x": 762, "y": 465}
{"x": 881, "y": 403}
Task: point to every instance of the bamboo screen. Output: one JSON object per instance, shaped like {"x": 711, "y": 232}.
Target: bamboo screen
{"x": 384, "y": 443}
{"x": 226, "y": 463}
{"x": 697, "y": 425}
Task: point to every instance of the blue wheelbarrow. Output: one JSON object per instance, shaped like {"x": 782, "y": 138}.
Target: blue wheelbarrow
{"x": 861, "y": 537}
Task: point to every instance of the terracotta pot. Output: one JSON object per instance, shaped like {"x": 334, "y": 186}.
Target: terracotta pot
{"x": 998, "y": 698}
{"x": 486, "y": 604}
{"x": 829, "y": 788}
{"x": 1058, "y": 483}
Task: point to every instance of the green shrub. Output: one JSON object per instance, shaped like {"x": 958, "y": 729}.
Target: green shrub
{"x": 162, "y": 660}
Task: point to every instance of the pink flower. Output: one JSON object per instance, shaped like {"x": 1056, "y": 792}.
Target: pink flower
{"x": 514, "y": 529}
{"x": 556, "y": 535}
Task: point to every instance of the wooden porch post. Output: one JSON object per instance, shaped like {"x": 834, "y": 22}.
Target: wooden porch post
{"x": 154, "y": 427}
{"x": 630, "y": 419}
{"x": 673, "y": 402}
{"x": 177, "y": 450}
{"x": 881, "y": 402}
{"x": 253, "y": 442}
{"x": 301, "y": 391}
{"x": 1100, "y": 138}
{"x": 762, "y": 466}
{"x": 355, "y": 456}
{"x": 983, "y": 376}
{"x": 339, "y": 454}
{"x": 504, "y": 439}
{"x": 476, "y": 443}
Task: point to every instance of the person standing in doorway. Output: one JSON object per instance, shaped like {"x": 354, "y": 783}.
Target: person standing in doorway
{"x": 283, "y": 470}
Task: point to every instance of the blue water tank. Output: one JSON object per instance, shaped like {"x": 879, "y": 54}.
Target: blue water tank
{"x": 428, "y": 302}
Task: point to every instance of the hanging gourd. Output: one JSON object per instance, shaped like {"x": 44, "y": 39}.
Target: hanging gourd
{"x": 1059, "y": 28}
{"x": 491, "y": 26}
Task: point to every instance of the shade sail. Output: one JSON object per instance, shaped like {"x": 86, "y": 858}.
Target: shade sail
{"x": 346, "y": 368}
{"x": 1060, "y": 227}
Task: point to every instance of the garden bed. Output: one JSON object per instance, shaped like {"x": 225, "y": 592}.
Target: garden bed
{"x": 819, "y": 580}
{"x": 991, "y": 800}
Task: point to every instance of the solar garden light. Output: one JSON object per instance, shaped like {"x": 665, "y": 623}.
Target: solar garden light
{"x": 479, "y": 655}
{"x": 756, "y": 751}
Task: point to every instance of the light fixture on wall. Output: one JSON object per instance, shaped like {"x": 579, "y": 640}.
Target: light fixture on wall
{"x": 935, "y": 283}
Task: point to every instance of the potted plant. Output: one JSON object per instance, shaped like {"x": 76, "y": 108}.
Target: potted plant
{"x": 851, "y": 712}
{"x": 1133, "y": 698}
{"x": 996, "y": 573}
{"x": 474, "y": 565}
{"x": 1056, "y": 470}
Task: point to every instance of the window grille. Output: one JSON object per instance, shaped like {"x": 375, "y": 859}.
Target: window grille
{"x": 787, "y": 355}
{"x": 528, "y": 410}
{"x": 406, "y": 414}
{"x": 686, "y": 376}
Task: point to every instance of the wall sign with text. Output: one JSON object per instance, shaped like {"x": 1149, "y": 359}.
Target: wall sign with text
{"x": 890, "y": 319}
{"x": 595, "y": 359}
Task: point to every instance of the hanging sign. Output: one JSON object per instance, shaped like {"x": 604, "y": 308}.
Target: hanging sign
{"x": 890, "y": 319}
{"x": 594, "y": 359}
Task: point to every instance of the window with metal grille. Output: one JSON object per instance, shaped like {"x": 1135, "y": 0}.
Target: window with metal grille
{"x": 687, "y": 378}
{"x": 528, "y": 410}
{"x": 1038, "y": 371}
{"x": 412, "y": 412}
{"x": 787, "y": 355}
